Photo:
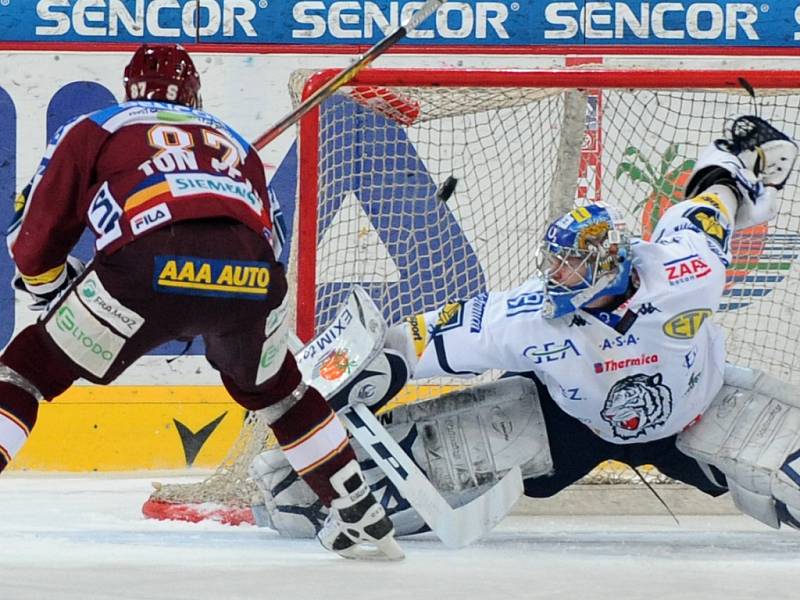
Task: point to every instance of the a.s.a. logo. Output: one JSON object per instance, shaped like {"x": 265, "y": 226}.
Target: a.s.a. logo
{"x": 635, "y": 404}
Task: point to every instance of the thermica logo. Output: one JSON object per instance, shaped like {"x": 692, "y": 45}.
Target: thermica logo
{"x": 146, "y": 17}
{"x": 660, "y": 20}
{"x": 348, "y": 19}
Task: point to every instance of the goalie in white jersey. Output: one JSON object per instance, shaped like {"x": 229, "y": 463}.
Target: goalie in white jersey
{"x": 618, "y": 336}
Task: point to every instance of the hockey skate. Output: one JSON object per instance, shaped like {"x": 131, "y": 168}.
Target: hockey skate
{"x": 357, "y": 526}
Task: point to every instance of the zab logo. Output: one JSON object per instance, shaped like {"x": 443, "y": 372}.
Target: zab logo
{"x": 143, "y": 17}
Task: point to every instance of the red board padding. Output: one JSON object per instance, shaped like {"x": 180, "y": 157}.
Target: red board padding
{"x": 194, "y": 513}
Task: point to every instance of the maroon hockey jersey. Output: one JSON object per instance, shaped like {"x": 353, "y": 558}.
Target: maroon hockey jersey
{"x": 128, "y": 170}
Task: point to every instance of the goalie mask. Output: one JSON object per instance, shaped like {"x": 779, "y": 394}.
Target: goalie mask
{"x": 585, "y": 255}
{"x": 163, "y": 72}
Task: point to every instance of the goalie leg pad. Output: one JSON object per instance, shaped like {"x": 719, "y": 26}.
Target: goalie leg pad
{"x": 465, "y": 440}
{"x": 751, "y": 432}
{"x": 468, "y": 439}
{"x": 290, "y": 506}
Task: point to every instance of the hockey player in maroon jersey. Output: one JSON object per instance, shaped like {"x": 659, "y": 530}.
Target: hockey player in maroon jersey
{"x": 183, "y": 221}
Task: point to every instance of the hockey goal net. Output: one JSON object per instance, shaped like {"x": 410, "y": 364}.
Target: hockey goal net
{"x": 427, "y": 186}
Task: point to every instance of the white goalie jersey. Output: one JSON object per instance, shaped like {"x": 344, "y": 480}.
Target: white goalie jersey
{"x": 642, "y": 372}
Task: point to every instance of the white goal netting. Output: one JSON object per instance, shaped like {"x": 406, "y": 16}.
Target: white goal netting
{"x": 425, "y": 188}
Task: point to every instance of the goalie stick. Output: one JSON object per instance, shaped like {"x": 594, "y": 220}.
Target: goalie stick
{"x": 327, "y": 90}
{"x": 357, "y": 334}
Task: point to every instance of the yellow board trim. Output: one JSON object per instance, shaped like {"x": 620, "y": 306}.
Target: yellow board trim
{"x": 120, "y": 428}
{"x": 128, "y": 428}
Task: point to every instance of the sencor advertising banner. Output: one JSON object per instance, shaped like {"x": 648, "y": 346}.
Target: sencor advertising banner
{"x": 771, "y": 23}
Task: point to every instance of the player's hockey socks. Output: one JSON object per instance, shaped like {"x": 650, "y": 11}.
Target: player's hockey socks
{"x": 314, "y": 442}
{"x": 19, "y": 406}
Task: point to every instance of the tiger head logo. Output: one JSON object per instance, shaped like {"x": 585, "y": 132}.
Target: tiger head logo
{"x": 635, "y": 404}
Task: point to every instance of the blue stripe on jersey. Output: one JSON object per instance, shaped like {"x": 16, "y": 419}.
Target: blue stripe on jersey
{"x": 101, "y": 117}
{"x": 106, "y": 114}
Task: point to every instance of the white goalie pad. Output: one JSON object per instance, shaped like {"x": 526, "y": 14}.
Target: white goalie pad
{"x": 466, "y": 441}
{"x": 348, "y": 364}
{"x": 469, "y": 438}
{"x": 751, "y": 432}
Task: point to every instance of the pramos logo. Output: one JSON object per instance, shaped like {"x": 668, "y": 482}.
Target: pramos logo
{"x": 166, "y": 18}
{"x": 347, "y": 20}
{"x": 659, "y": 20}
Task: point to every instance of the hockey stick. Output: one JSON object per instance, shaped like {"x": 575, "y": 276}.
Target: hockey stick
{"x": 327, "y": 90}
{"x": 357, "y": 333}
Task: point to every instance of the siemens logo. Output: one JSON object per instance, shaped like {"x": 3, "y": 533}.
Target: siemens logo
{"x": 161, "y": 18}
{"x": 363, "y": 20}
{"x": 660, "y": 20}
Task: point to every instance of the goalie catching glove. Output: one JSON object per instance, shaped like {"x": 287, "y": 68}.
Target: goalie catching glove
{"x": 754, "y": 164}
{"x": 44, "y": 289}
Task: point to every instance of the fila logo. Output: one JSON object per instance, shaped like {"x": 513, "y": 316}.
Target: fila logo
{"x": 686, "y": 269}
{"x": 149, "y": 218}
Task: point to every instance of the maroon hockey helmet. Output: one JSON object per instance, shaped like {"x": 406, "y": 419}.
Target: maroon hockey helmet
{"x": 163, "y": 72}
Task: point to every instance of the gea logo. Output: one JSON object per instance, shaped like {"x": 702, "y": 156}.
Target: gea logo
{"x": 348, "y": 19}
{"x": 143, "y": 17}
{"x": 661, "y": 20}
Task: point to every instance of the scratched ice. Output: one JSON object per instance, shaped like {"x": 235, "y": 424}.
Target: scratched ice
{"x": 83, "y": 538}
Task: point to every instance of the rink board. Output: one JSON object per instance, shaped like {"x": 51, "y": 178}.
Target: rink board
{"x": 122, "y": 428}
{"x": 126, "y": 427}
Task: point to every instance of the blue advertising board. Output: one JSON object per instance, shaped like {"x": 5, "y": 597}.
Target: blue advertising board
{"x": 471, "y": 23}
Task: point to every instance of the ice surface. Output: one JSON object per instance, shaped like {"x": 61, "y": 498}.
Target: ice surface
{"x": 83, "y": 538}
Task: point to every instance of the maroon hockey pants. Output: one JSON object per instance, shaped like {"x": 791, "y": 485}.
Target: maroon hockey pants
{"x": 211, "y": 278}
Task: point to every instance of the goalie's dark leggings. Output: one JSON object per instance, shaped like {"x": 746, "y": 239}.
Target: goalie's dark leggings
{"x": 576, "y": 450}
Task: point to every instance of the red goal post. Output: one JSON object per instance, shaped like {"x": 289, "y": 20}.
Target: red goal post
{"x": 430, "y": 185}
